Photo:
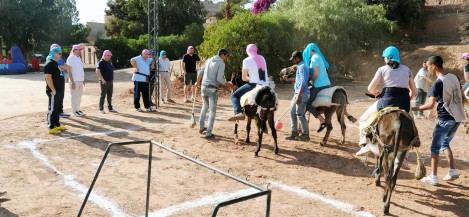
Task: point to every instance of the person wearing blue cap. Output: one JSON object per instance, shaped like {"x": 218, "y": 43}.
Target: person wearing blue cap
{"x": 55, "y": 89}
{"x": 398, "y": 89}
{"x": 165, "y": 76}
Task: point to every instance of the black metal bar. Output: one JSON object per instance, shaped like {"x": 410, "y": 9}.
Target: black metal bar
{"x": 149, "y": 178}
{"x": 210, "y": 167}
{"x": 240, "y": 199}
{"x": 108, "y": 149}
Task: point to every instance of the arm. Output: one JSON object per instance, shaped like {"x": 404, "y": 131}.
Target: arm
{"x": 100, "y": 76}
{"x": 374, "y": 84}
{"x": 466, "y": 76}
{"x": 152, "y": 66}
{"x": 245, "y": 75}
{"x": 315, "y": 74}
{"x": 431, "y": 101}
{"x": 134, "y": 65}
{"x": 464, "y": 100}
{"x": 412, "y": 88}
{"x": 50, "y": 83}
{"x": 183, "y": 67}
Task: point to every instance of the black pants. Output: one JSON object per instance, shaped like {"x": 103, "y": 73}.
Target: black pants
{"x": 152, "y": 83}
{"x": 141, "y": 87}
{"x": 55, "y": 108}
{"x": 106, "y": 90}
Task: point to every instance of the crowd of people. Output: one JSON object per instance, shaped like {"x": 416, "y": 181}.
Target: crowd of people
{"x": 431, "y": 87}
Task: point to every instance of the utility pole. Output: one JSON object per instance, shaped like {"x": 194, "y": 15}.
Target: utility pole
{"x": 153, "y": 45}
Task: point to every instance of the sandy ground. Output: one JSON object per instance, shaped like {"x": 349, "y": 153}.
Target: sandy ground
{"x": 46, "y": 175}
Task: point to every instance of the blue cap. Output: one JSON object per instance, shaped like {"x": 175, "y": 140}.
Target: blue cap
{"x": 391, "y": 53}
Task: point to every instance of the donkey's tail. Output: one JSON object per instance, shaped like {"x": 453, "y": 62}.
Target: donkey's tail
{"x": 420, "y": 171}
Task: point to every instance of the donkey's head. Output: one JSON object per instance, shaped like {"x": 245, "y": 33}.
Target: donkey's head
{"x": 266, "y": 98}
{"x": 289, "y": 71}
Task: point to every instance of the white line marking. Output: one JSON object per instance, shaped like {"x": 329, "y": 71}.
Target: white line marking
{"x": 69, "y": 180}
{"x": 345, "y": 207}
{"x": 208, "y": 200}
{"x": 353, "y": 126}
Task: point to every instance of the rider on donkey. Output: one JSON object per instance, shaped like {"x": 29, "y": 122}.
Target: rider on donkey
{"x": 254, "y": 72}
{"x": 399, "y": 88}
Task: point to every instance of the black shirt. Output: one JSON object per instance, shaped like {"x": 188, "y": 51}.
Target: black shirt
{"x": 107, "y": 69}
{"x": 57, "y": 78}
{"x": 191, "y": 62}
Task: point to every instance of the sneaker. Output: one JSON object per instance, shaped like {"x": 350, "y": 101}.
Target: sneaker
{"x": 237, "y": 117}
{"x": 303, "y": 137}
{"x": 61, "y": 127}
{"x": 55, "y": 131}
{"x": 292, "y": 136}
{"x": 77, "y": 114}
{"x": 185, "y": 99}
{"x": 202, "y": 130}
{"x": 452, "y": 175}
{"x": 171, "y": 101}
{"x": 209, "y": 136}
{"x": 63, "y": 115}
{"x": 82, "y": 114}
{"x": 102, "y": 111}
{"x": 139, "y": 110}
{"x": 431, "y": 180}
{"x": 151, "y": 109}
{"x": 364, "y": 150}
{"x": 112, "y": 110}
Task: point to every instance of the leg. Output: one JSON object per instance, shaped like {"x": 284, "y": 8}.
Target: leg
{"x": 137, "y": 90}
{"x": 293, "y": 119}
{"x": 213, "y": 101}
{"x": 166, "y": 79}
{"x": 102, "y": 96}
{"x": 80, "y": 87}
{"x": 340, "y": 118}
{"x": 74, "y": 97}
{"x": 146, "y": 94}
{"x": 271, "y": 119}
{"x": 300, "y": 113}
{"x": 236, "y": 97}
{"x": 362, "y": 124}
{"x": 248, "y": 128}
{"x": 260, "y": 131}
{"x": 400, "y": 156}
{"x": 110, "y": 90}
{"x": 203, "y": 111}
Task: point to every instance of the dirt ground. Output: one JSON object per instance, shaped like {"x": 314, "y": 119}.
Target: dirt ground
{"x": 47, "y": 175}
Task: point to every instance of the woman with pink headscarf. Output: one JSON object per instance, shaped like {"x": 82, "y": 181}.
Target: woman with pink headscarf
{"x": 254, "y": 72}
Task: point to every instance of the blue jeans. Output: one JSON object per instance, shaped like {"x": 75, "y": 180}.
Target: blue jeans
{"x": 313, "y": 92}
{"x": 236, "y": 96}
{"x": 210, "y": 98}
{"x": 443, "y": 134}
{"x": 420, "y": 99}
{"x": 298, "y": 112}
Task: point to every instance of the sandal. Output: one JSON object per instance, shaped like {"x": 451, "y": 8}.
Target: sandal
{"x": 321, "y": 127}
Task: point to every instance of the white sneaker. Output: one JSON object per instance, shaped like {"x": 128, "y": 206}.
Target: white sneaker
{"x": 140, "y": 110}
{"x": 112, "y": 110}
{"x": 151, "y": 109}
{"x": 102, "y": 111}
{"x": 452, "y": 175}
{"x": 185, "y": 99}
{"x": 83, "y": 114}
{"x": 431, "y": 180}
{"x": 77, "y": 114}
{"x": 363, "y": 151}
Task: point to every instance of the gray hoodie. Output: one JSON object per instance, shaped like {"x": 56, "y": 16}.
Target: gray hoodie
{"x": 213, "y": 72}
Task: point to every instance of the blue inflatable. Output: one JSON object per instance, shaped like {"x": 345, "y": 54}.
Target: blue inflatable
{"x": 16, "y": 65}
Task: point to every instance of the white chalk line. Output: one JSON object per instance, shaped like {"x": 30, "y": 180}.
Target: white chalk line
{"x": 345, "y": 207}
{"x": 69, "y": 180}
{"x": 204, "y": 201}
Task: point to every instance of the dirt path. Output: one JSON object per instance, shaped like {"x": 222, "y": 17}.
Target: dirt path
{"x": 48, "y": 175}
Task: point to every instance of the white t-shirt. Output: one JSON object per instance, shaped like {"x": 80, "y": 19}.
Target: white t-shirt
{"x": 164, "y": 64}
{"x": 253, "y": 71}
{"x": 394, "y": 77}
{"x": 78, "y": 72}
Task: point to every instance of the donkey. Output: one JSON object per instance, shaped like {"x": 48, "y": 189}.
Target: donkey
{"x": 262, "y": 112}
{"x": 394, "y": 132}
{"x": 339, "y": 98}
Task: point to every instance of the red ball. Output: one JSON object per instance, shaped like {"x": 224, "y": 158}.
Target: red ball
{"x": 278, "y": 125}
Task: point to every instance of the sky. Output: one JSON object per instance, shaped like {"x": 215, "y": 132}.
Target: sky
{"x": 93, "y": 10}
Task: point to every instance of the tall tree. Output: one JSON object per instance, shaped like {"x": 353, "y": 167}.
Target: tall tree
{"x": 130, "y": 16}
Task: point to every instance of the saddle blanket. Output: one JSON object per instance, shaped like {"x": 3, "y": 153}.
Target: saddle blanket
{"x": 324, "y": 97}
{"x": 249, "y": 98}
{"x": 370, "y": 122}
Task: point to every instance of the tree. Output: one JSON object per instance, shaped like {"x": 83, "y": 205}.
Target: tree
{"x": 35, "y": 24}
{"x": 261, "y": 5}
{"x": 131, "y": 19}
{"x": 403, "y": 11}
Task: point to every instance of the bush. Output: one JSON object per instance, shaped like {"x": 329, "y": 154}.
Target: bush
{"x": 271, "y": 33}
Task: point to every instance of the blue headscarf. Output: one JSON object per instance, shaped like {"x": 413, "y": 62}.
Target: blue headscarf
{"x": 52, "y": 52}
{"x": 392, "y": 53}
{"x": 162, "y": 52}
{"x": 307, "y": 54}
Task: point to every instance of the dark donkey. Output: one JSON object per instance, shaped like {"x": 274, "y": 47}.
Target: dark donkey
{"x": 339, "y": 98}
{"x": 394, "y": 132}
{"x": 262, "y": 112}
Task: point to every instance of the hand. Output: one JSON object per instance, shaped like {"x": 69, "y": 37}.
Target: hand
{"x": 298, "y": 99}
{"x": 415, "y": 108}
{"x": 285, "y": 77}
{"x": 135, "y": 71}
{"x": 54, "y": 92}
{"x": 377, "y": 93}
{"x": 103, "y": 81}
{"x": 73, "y": 85}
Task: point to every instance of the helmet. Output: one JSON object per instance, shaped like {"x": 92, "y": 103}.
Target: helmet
{"x": 391, "y": 53}
{"x": 465, "y": 55}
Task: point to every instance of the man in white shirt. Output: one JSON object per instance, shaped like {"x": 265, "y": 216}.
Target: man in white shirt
{"x": 77, "y": 79}
{"x": 141, "y": 77}
{"x": 165, "y": 76}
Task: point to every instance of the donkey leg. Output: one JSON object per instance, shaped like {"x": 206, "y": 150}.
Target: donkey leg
{"x": 248, "y": 129}
{"x": 328, "y": 118}
{"x": 259, "y": 134}
{"x": 235, "y": 132}
{"x": 270, "y": 118}
{"x": 341, "y": 119}
{"x": 393, "y": 179}
{"x": 378, "y": 173}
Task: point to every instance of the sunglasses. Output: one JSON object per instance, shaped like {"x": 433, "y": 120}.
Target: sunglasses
{"x": 59, "y": 53}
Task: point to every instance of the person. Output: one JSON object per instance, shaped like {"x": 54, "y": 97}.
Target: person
{"x": 165, "y": 75}
{"x": 422, "y": 83}
{"x": 465, "y": 56}
{"x": 447, "y": 93}
{"x": 317, "y": 63}
{"x": 209, "y": 78}
{"x": 55, "y": 90}
{"x": 35, "y": 64}
{"x": 105, "y": 72}
{"x": 300, "y": 98}
{"x": 142, "y": 65}
{"x": 398, "y": 90}
{"x": 190, "y": 65}
{"x": 254, "y": 72}
{"x": 63, "y": 67}
{"x": 77, "y": 79}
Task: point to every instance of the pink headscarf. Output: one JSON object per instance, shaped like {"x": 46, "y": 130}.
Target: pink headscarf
{"x": 106, "y": 52}
{"x": 251, "y": 50}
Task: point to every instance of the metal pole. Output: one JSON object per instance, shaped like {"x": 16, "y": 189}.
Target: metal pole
{"x": 149, "y": 178}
